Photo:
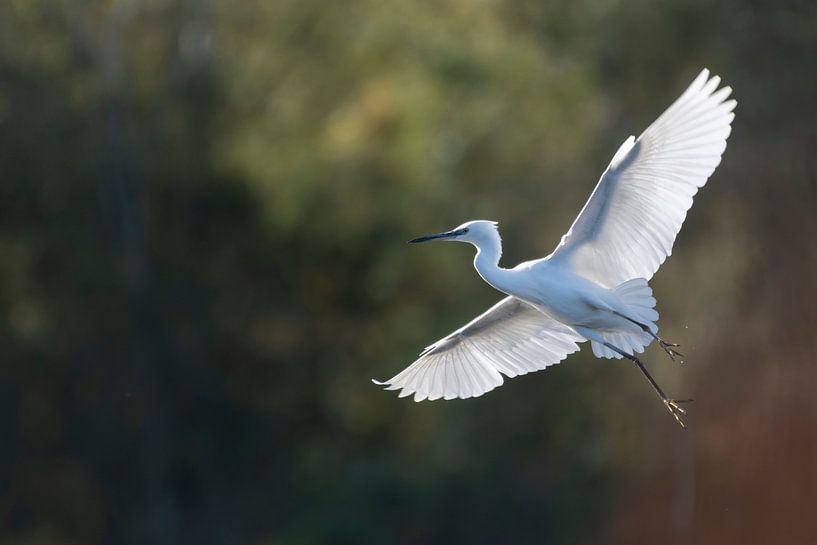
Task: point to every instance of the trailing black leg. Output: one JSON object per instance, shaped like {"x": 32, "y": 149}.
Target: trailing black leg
{"x": 671, "y": 404}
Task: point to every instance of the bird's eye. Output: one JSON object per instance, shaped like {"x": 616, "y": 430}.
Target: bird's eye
{"x": 465, "y": 230}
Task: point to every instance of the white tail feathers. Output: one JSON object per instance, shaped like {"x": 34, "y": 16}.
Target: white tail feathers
{"x": 637, "y": 295}
{"x": 638, "y": 302}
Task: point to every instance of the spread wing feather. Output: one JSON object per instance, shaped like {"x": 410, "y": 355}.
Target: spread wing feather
{"x": 628, "y": 226}
{"x": 511, "y": 338}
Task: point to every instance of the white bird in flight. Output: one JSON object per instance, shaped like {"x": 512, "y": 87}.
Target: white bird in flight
{"x": 593, "y": 287}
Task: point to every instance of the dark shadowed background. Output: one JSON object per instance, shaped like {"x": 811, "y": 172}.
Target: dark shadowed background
{"x": 203, "y": 215}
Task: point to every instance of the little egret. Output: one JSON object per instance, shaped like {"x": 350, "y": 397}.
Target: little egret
{"x": 593, "y": 287}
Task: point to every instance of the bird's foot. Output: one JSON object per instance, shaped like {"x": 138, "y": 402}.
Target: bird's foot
{"x": 675, "y": 409}
{"x": 668, "y": 348}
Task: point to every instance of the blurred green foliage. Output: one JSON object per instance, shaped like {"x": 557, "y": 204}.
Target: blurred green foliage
{"x": 203, "y": 209}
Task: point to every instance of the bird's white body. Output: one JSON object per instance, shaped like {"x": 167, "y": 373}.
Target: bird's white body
{"x": 593, "y": 287}
{"x": 553, "y": 289}
{"x": 557, "y": 290}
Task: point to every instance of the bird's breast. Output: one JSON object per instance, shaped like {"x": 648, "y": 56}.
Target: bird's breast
{"x": 570, "y": 299}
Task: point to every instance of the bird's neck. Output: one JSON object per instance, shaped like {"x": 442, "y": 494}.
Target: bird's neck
{"x": 487, "y": 264}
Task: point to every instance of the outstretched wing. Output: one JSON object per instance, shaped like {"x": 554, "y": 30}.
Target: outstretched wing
{"x": 511, "y": 338}
{"x": 628, "y": 226}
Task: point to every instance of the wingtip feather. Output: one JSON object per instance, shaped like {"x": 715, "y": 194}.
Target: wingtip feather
{"x": 701, "y": 79}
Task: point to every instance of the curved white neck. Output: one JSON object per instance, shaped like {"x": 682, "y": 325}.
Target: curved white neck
{"x": 487, "y": 264}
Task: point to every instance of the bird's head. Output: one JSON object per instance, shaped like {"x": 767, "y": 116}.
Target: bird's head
{"x": 475, "y": 232}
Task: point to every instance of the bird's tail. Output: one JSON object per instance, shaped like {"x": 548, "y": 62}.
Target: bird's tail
{"x": 638, "y": 306}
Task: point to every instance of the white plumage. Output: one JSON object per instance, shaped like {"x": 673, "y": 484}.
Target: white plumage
{"x": 594, "y": 285}
{"x": 511, "y": 338}
{"x": 627, "y": 228}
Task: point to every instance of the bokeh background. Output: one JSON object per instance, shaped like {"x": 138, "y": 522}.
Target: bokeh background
{"x": 203, "y": 209}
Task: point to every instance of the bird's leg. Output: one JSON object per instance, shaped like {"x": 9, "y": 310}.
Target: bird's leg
{"x": 667, "y": 346}
{"x": 671, "y": 404}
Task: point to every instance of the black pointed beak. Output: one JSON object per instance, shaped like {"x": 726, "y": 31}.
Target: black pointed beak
{"x": 447, "y": 234}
